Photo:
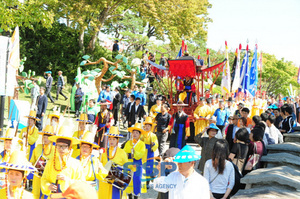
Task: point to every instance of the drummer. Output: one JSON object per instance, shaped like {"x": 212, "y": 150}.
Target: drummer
{"x": 7, "y": 148}
{"x": 90, "y": 164}
{"x": 41, "y": 154}
{"x": 81, "y": 132}
{"x": 135, "y": 149}
{"x": 62, "y": 170}
{"x": 151, "y": 142}
{"x": 117, "y": 156}
{"x": 17, "y": 170}
{"x": 29, "y": 134}
{"x": 54, "y": 121}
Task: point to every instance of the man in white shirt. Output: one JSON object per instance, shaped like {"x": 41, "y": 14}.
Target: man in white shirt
{"x": 273, "y": 131}
{"x": 185, "y": 183}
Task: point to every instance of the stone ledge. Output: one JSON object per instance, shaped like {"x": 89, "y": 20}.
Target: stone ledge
{"x": 290, "y": 147}
{"x": 281, "y": 158}
{"x": 282, "y": 175}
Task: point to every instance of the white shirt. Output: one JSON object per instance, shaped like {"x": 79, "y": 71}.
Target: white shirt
{"x": 179, "y": 187}
{"x": 275, "y": 134}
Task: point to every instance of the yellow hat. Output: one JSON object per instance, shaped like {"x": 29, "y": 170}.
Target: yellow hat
{"x": 137, "y": 127}
{"x": 88, "y": 138}
{"x": 84, "y": 118}
{"x": 64, "y": 133}
{"x": 114, "y": 132}
{"x": 48, "y": 130}
{"x": 18, "y": 161}
{"x": 54, "y": 114}
{"x": 32, "y": 115}
{"x": 9, "y": 134}
{"x": 148, "y": 121}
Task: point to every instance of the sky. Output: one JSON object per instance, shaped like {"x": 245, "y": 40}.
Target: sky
{"x": 273, "y": 24}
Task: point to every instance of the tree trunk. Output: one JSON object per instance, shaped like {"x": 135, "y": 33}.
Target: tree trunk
{"x": 81, "y": 39}
{"x": 92, "y": 42}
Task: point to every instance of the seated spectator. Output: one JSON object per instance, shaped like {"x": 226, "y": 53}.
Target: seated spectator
{"x": 288, "y": 122}
{"x": 243, "y": 124}
{"x": 273, "y": 131}
{"x": 278, "y": 118}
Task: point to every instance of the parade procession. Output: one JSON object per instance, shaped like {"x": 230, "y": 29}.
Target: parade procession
{"x": 149, "y": 100}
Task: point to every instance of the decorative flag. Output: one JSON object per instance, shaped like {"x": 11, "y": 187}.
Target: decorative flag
{"x": 180, "y": 53}
{"x": 225, "y": 84}
{"x": 253, "y": 74}
{"x": 259, "y": 63}
{"x": 245, "y": 73}
{"x": 236, "y": 80}
{"x": 298, "y": 75}
{"x": 4, "y": 41}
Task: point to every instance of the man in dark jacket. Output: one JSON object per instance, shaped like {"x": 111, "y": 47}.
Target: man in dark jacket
{"x": 231, "y": 130}
{"x": 42, "y": 102}
{"x": 137, "y": 112}
{"x": 152, "y": 99}
{"x": 60, "y": 85}
{"x": 116, "y": 105}
{"x": 115, "y": 49}
{"x": 49, "y": 80}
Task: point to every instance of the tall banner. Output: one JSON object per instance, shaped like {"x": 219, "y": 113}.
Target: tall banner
{"x": 225, "y": 84}
{"x": 244, "y": 77}
{"x": 3, "y": 62}
{"x": 253, "y": 74}
{"x": 13, "y": 62}
{"x": 236, "y": 80}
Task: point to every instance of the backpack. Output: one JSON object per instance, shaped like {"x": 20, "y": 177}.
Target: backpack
{"x": 237, "y": 180}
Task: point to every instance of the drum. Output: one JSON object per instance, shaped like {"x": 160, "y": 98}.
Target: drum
{"x": 118, "y": 177}
{"x": 40, "y": 166}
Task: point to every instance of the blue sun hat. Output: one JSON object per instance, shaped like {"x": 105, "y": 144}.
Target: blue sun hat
{"x": 48, "y": 72}
{"x": 212, "y": 126}
{"x": 186, "y": 154}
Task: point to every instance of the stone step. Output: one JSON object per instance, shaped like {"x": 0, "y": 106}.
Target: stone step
{"x": 267, "y": 192}
{"x": 283, "y": 176}
{"x": 292, "y": 137}
{"x": 287, "y": 147}
{"x": 280, "y": 159}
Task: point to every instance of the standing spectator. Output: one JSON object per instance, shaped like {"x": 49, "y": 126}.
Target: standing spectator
{"x": 238, "y": 112}
{"x": 128, "y": 109}
{"x": 245, "y": 113}
{"x": 219, "y": 172}
{"x": 231, "y": 130}
{"x": 34, "y": 94}
{"x": 78, "y": 99}
{"x": 42, "y": 102}
{"x": 162, "y": 60}
{"x": 49, "y": 80}
{"x": 116, "y": 105}
{"x": 141, "y": 94}
{"x": 162, "y": 119}
{"x": 142, "y": 74}
{"x": 92, "y": 110}
{"x": 273, "y": 131}
{"x": 187, "y": 183}
{"x": 115, "y": 49}
{"x": 106, "y": 95}
{"x": 101, "y": 92}
{"x": 179, "y": 126}
{"x": 124, "y": 103}
{"x": 230, "y": 106}
{"x": 222, "y": 115}
{"x": 152, "y": 99}
{"x": 239, "y": 151}
{"x": 137, "y": 112}
{"x": 135, "y": 91}
{"x": 207, "y": 144}
{"x": 60, "y": 85}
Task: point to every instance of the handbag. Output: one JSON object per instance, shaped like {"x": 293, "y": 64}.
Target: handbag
{"x": 253, "y": 160}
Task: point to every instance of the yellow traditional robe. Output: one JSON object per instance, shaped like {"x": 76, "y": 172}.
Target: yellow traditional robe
{"x": 263, "y": 105}
{"x": 139, "y": 153}
{"x": 120, "y": 158}
{"x": 155, "y": 110}
{"x": 32, "y": 137}
{"x": 200, "y": 113}
{"x": 5, "y": 158}
{"x": 211, "y": 110}
{"x": 88, "y": 169}
{"x": 147, "y": 139}
{"x": 76, "y": 148}
{"x": 72, "y": 170}
{"x": 255, "y": 107}
{"x": 37, "y": 152}
{"x": 18, "y": 194}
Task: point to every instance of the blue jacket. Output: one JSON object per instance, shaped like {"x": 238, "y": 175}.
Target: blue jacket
{"x": 143, "y": 98}
{"x": 222, "y": 116}
{"x": 104, "y": 95}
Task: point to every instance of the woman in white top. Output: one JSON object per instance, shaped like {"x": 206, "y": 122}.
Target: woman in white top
{"x": 219, "y": 172}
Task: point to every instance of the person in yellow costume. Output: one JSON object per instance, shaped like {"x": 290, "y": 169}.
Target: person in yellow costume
{"x": 90, "y": 164}
{"x": 17, "y": 169}
{"x": 81, "y": 132}
{"x": 201, "y": 115}
{"x": 263, "y": 103}
{"x": 40, "y": 156}
{"x": 151, "y": 142}
{"x": 54, "y": 121}
{"x": 62, "y": 170}
{"x": 136, "y": 150}
{"x": 255, "y": 106}
{"x": 155, "y": 109}
{"x": 117, "y": 156}
{"x": 29, "y": 134}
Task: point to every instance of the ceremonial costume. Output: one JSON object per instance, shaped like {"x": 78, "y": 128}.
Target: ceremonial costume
{"x": 255, "y": 107}
{"x": 136, "y": 150}
{"x": 117, "y": 156}
{"x": 80, "y": 134}
{"x": 67, "y": 166}
{"x": 179, "y": 128}
{"x": 155, "y": 109}
{"x": 151, "y": 143}
{"x": 102, "y": 121}
{"x": 200, "y": 113}
{"x": 186, "y": 86}
{"x": 55, "y": 126}
{"x": 17, "y": 162}
{"x": 29, "y": 135}
{"x": 41, "y": 154}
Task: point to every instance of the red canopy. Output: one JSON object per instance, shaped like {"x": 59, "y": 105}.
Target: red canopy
{"x": 182, "y": 68}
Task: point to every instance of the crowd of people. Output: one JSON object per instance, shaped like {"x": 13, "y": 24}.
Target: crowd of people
{"x": 233, "y": 133}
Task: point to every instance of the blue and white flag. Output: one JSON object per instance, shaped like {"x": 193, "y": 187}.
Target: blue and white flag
{"x": 253, "y": 74}
{"x": 245, "y": 73}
